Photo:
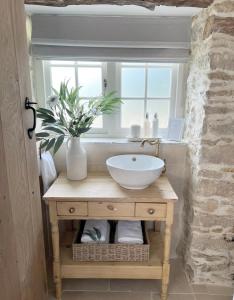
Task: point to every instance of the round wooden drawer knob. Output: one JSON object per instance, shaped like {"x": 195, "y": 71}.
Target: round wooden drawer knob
{"x": 151, "y": 211}
{"x": 71, "y": 210}
{"x": 111, "y": 207}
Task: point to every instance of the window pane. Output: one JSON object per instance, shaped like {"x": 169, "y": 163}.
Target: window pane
{"x": 133, "y": 64}
{"x": 133, "y": 82}
{"x": 62, "y": 62}
{"x": 160, "y": 65}
{"x": 162, "y": 108}
{"x": 132, "y": 112}
{"x": 91, "y": 81}
{"x": 98, "y": 123}
{"x": 159, "y": 83}
{"x": 89, "y": 63}
{"x": 61, "y": 74}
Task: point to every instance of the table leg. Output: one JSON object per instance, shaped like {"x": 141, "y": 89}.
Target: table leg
{"x": 166, "y": 256}
{"x": 56, "y": 254}
{"x": 157, "y": 226}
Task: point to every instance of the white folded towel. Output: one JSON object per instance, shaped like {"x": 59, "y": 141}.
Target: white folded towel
{"x": 102, "y": 225}
{"x": 48, "y": 171}
{"x": 129, "y": 232}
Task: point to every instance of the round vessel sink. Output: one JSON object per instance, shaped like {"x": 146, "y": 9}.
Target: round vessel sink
{"x": 134, "y": 171}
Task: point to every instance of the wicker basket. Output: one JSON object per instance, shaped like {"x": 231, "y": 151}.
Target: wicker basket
{"x": 111, "y": 251}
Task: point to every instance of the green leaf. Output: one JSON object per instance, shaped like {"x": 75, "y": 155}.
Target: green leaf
{"x": 55, "y": 91}
{"x": 50, "y": 144}
{"x": 91, "y": 234}
{"x": 42, "y": 134}
{"x": 52, "y": 119}
{"x": 69, "y": 112}
{"x": 44, "y": 144}
{"x": 45, "y": 111}
{"x": 41, "y": 116}
{"x": 58, "y": 143}
{"x": 98, "y": 233}
{"x": 54, "y": 129}
{"x": 87, "y": 119}
{"x": 49, "y": 120}
{"x": 72, "y": 131}
{"x": 82, "y": 130}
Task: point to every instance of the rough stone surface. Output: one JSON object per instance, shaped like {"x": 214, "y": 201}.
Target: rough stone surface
{"x": 220, "y": 77}
{"x": 218, "y": 154}
{"x": 209, "y": 192}
{"x": 226, "y": 6}
{"x": 218, "y": 24}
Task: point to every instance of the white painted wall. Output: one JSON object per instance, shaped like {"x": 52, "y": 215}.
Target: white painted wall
{"x": 174, "y": 153}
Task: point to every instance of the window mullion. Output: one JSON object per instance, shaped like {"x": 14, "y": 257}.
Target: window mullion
{"x": 112, "y": 122}
{"x": 146, "y": 90}
{"x": 48, "y": 80}
{"x": 174, "y": 86}
{"x": 104, "y": 91}
{"x": 107, "y": 124}
{"x": 76, "y": 74}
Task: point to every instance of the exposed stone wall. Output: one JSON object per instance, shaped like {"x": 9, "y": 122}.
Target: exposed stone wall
{"x": 209, "y": 194}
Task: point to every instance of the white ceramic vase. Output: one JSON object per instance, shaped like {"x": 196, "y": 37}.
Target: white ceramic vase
{"x": 76, "y": 159}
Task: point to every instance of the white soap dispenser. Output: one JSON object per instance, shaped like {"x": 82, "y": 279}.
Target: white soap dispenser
{"x": 155, "y": 126}
{"x": 147, "y": 126}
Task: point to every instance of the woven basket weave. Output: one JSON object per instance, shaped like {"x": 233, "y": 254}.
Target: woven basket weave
{"x": 111, "y": 252}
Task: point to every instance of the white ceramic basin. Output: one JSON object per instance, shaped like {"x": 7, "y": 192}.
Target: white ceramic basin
{"x": 134, "y": 171}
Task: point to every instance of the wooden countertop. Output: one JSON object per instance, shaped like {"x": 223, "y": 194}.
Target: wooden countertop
{"x": 101, "y": 187}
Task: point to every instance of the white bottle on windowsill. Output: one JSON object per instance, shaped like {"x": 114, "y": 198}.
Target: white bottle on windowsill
{"x": 146, "y": 126}
{"x": 155, "y": 126}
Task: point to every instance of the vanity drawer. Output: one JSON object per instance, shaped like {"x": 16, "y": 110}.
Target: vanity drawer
{"x": 72, "y": 208}
{"x": 111, "y": 209}
{"x": 149, "y": 210}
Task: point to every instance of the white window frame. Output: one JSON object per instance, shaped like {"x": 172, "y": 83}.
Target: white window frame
{"x": 172, "y": 99}
{"x": 111, "y": 71}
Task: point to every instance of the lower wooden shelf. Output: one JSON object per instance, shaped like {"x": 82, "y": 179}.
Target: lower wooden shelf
{"x": 151, "y": 269}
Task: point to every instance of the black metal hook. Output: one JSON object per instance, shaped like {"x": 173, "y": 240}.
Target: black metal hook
{"x": 28, "y": 104}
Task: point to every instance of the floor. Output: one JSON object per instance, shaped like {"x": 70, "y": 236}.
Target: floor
{"x": 179, "y": 289}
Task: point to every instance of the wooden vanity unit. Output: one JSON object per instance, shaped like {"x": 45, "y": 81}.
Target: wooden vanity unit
{"x": 99, "y": 197}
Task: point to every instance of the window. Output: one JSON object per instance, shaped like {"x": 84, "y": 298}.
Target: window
{"x": 146, "y": 87}
{"x": 143, "y": 87}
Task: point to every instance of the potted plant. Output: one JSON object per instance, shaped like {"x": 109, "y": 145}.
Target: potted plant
{"x": 69, "y": 116}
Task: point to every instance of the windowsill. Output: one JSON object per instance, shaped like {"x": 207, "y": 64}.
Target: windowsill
{"x": 123, "y": 141}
